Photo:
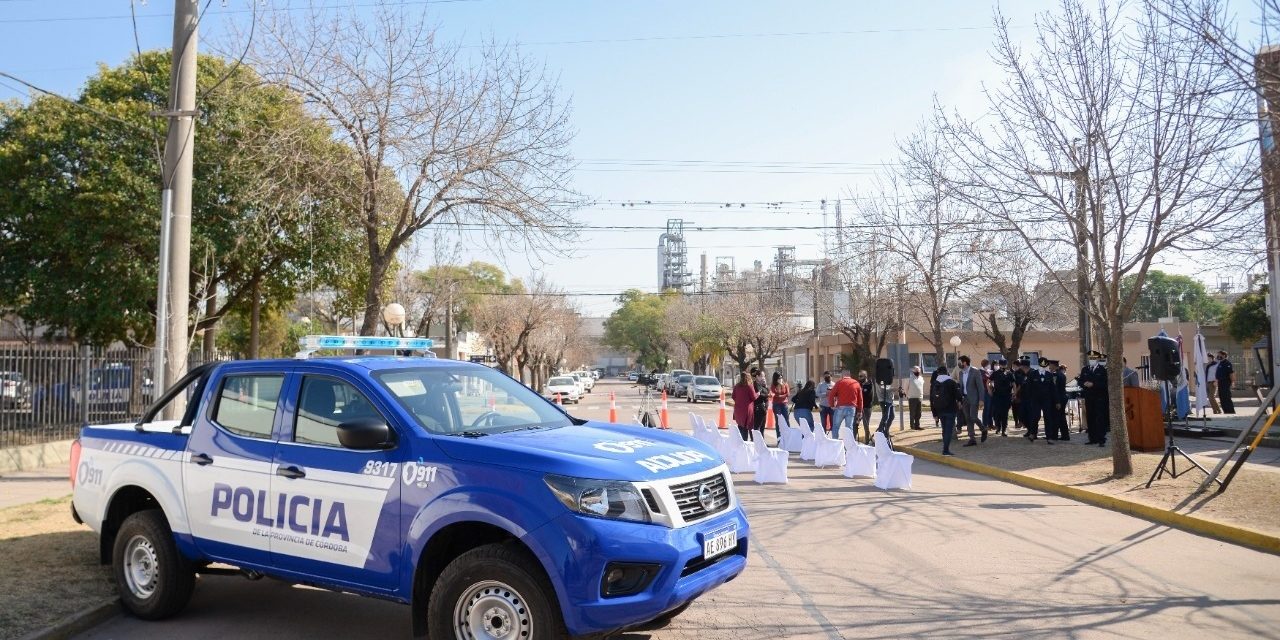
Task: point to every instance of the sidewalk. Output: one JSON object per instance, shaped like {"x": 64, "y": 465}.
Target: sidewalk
{"x": 24, "y": 487}
{"x": 1252, "y": 500}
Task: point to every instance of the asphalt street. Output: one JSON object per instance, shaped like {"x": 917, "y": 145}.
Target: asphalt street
{"x": 958, "y": 556}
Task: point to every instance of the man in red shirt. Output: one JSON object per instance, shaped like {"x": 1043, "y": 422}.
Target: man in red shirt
{"x": 845, "y": 398}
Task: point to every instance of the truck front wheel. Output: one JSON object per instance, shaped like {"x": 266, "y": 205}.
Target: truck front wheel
{"x": 492, "y": 592}
{"x": 155, "y": 580}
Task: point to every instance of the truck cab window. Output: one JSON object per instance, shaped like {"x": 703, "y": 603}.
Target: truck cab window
{"x": 323, "y": 404}
{"x": 247, "y": 404}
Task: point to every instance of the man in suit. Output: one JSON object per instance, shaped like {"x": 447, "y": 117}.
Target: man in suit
{"x": 971, "y": 391}
{"x": 1097, "y": 412}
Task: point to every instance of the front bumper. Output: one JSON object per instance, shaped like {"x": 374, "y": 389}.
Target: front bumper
{"x": 583, "y": 546}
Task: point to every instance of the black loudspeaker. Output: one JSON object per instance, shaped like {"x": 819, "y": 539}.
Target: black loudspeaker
{"x": 1166, "y": 361}
{"x": 884, "y": 371}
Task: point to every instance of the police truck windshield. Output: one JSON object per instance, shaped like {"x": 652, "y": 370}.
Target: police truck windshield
{"x": 469, "y": 401}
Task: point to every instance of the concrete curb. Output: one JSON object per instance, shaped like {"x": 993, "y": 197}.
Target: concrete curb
{"x": 76, "y": 622}
{"x": 1211, "y": 528}
{"x": 35, "y": 456}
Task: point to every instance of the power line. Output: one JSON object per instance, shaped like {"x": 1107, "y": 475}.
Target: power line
{"x": 231, "y": 11}
{"x": 777, "y": 34}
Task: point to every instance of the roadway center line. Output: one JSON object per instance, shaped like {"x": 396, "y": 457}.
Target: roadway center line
{"x": 814, "y": 612}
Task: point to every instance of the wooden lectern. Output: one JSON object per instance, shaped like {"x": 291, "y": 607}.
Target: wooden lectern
{"x": 1144, "y": 420}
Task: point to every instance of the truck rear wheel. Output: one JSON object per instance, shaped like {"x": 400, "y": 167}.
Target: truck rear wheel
{"x": 493, "y": 592}
{"x": 154, "y": 579}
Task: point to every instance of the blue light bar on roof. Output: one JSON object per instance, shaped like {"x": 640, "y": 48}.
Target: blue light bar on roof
{"x": 311, "y": 344}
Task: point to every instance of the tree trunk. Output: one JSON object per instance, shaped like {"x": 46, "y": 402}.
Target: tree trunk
{"x": 937, "y": 342}
{"x": 1121, "y": 458}
{"x": 450, "y": 350}
{"x": 373, "y": 296}
{"x": 255, "y": 318}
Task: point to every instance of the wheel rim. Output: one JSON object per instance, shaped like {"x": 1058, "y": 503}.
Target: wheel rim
{"x": 491, "y": 610}
{"x": 141, "y": 568}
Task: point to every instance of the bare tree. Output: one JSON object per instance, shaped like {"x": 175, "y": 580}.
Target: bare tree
{"x": 509, "y": 320}
{"x": 870, "y": 310}
{"x": 442, "y": 135}
{"x": 915, "y": 218}
{"x": 1016, "y": 296}
{"x": 1149, "y": 129}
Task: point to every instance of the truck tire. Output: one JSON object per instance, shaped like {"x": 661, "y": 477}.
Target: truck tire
{"x": 493, "y": 591}
{"x": 154, "y": 579}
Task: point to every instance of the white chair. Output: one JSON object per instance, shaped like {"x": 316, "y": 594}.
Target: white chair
{"x": 893, "y": 468}
{"x": 827, "y": 451}
{"x": 860, "y": 459}
{"x": 792, "y": 439}
{"x": 740, "y": 455}
{"x": 771, "y": 464}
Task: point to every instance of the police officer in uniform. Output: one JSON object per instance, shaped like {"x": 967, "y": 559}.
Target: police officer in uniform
{"x": 1001, "y": 395}
{"x": 1019, "y": 379}
{"x": 1031, "y": 394}
{"x": 1058, "y": 408}
{"x": 1093, "y": 386}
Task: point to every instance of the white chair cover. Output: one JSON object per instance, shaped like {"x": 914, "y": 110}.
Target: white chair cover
{"x": 893, "y": 468}
{"x": 771, "y": 466}
{"x": 792, "y": 439}
{"x": 828, "y": 451}
{"x": 740, "y": 455}
{"x": 860, "y": 459}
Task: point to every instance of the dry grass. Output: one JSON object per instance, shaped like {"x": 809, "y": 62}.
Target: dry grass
{"x": 48, "y": 567}
{"x": 1251, "y": 501}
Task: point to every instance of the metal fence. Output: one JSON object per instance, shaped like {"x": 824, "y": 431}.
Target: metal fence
{"x": 47, "y": 392}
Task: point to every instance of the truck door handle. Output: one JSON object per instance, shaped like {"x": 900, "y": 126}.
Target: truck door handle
{"x": 292, "y": 473}
{"x": 201, "y": 459}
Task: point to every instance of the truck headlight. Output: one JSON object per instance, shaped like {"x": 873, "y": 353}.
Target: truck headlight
{"x": 601, "y": 498}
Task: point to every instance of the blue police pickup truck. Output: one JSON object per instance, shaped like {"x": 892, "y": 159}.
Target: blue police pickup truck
{"x": 441, "y": 484}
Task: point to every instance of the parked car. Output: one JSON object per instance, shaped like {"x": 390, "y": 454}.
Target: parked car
{"x": 588, "y": 380}
{"x": 566, "y": 387}
{"x": 378, "y": 476}
{"x": 673, "y": 377}
{"x": 15, "y": 391}
{"x": 632, "y": 376}
{"x": 703, "y": 388}
{"x": 682, "y": 381}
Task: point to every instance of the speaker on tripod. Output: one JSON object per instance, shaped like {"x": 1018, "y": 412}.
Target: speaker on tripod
{"x": 1166, "y": 366}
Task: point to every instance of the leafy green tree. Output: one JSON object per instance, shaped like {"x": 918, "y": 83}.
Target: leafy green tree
{"x": 638, "y": 326}
{"x": 1246, "y": 321}
{"x": 79, "y": 206}
{"x": 1166, "y": 294}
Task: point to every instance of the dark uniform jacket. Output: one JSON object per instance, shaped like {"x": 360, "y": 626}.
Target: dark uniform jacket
{"x": 1002, "y": 382}
{"x": 1096, "y": 374}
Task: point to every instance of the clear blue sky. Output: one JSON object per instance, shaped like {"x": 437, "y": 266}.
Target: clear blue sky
{"x": 734, "y": 102}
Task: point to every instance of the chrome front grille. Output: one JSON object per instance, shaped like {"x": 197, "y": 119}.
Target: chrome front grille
{"x": 686, "y": 497}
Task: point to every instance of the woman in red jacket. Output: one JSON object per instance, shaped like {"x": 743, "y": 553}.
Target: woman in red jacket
{"x": 744, "y": 398}
{"x": 780, "y": 395}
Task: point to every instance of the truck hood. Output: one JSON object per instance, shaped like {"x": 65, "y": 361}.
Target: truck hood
{"x": 598, "y": 450}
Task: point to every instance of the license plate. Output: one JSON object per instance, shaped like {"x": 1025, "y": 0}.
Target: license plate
{"x": 719, "y": 544}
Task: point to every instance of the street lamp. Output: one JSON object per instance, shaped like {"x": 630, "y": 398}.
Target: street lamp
{"x": 393, "y": 314}
{"x": 955, "y": 344}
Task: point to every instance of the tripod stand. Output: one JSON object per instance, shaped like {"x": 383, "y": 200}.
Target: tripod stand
{"x": 1169, "y": 463}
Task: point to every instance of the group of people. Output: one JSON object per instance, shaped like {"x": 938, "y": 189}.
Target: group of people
{"x": 842, "y": 402}
{"x": 981, "y": 400}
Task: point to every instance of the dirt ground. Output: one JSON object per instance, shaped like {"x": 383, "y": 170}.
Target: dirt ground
{"x": 48, "y": 567}
{"x": 1251, "y": 501}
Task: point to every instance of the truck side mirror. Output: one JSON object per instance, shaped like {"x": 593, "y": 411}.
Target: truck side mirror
{"x": 364, "y": 433}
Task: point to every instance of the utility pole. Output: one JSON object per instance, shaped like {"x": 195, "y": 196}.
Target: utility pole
{"x": 1081, "y": 178}
{"x": 179, "y": 157}
{"x": 450, "y": 351}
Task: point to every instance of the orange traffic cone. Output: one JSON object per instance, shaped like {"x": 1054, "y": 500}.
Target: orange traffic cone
{"x": 493, "y": 402}
{"x": 558, "y": 399}
{"x": 723, "y": 422}
{"x": 613, "y": 408}
{"x": 768, "y": 417}
{"x": 662, "y": 414}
